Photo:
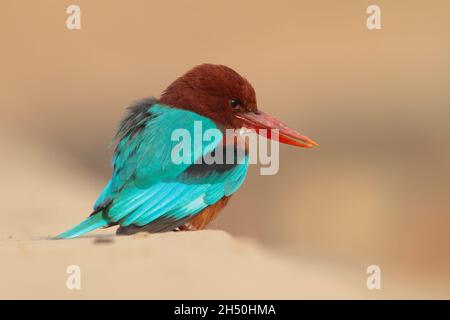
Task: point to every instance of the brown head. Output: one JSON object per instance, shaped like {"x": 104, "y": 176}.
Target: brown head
{"x": 221, "y": 94}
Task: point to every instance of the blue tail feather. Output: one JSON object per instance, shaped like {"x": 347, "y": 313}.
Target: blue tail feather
{"x": 93, "y": 222}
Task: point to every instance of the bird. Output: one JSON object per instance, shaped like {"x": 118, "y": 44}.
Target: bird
{"x": 148, "y": 191}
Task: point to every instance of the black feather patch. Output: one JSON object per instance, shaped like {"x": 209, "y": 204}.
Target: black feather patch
{"x": 162, "y": 224}
{"x": 136, "y": 119}
{"x": 199, "y": 170}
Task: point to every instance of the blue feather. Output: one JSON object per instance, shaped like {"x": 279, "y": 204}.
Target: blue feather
{"x": 146, "y": 184}
{"x": 93, "y": 222}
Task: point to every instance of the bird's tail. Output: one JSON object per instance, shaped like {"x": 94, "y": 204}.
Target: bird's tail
{"x": 93, "y": 222}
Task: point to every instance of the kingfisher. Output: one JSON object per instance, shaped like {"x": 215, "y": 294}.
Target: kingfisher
{"x": 150, "y": 192}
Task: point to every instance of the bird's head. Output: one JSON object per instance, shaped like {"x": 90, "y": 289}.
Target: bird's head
{"x": 221, "y": 94}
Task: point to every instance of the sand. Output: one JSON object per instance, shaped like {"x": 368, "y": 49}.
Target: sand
{"x": 211, "y": 264}
{"x": 176, "y": 265}
{"x": 45, "y": 193}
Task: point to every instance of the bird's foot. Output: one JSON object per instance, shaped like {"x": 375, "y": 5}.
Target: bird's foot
{"x": 185, "y": 227}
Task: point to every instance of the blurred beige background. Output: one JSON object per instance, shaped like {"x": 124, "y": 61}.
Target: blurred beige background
{"x": 376, "y": 191}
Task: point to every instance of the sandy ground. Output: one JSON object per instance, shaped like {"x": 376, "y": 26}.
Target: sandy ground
{"x": 184, "y": 265}
{"x": 201, "y": 265}
{"x": 197, "y": 265}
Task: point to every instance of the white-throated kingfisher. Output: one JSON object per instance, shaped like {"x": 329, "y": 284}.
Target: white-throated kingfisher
{"x": 148, "y": 191}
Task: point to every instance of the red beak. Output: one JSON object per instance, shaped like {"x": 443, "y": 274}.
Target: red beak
{"x": 260, "y": 120}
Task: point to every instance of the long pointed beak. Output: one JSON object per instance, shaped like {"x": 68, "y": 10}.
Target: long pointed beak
{"x": 261, "y": 120}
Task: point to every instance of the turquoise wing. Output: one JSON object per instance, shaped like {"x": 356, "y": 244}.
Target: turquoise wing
{"x": 142, "y": 157}
{"x": 148, "y": 185}
{"x": 188, "y": 195}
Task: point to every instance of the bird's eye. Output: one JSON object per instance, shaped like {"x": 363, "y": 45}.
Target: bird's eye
{"x": 234, "y": 103}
